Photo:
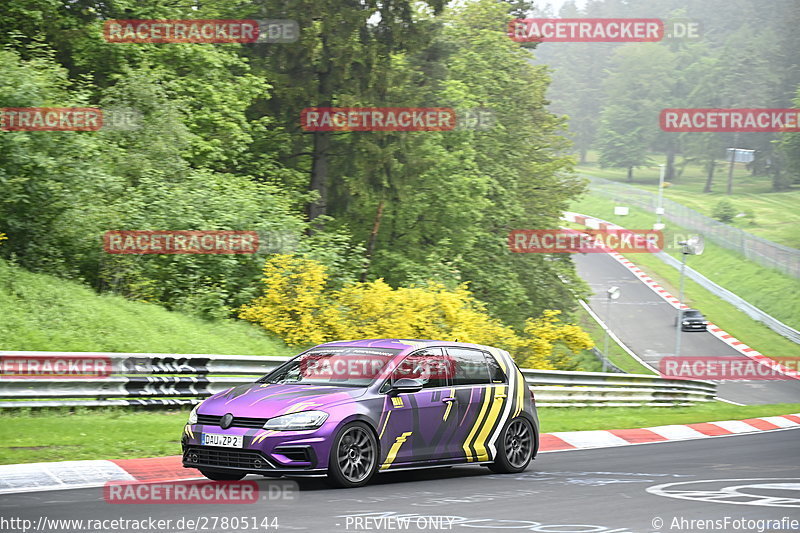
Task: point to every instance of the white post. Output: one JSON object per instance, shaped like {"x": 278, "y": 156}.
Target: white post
{"x": 611, "y": 294}
{"x": 605, "y": 341}
{"x": 680, "y": 308}
{"x": 660, "y": 207}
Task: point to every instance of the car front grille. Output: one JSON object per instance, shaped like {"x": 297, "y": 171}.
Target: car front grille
{"x": 238, "y": 421}
{"x": 224, "y": 457}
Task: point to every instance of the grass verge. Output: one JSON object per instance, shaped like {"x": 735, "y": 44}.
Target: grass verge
{"x": 589, "y": 418}
{"x": 776, "y": 213}
{"x": 616, "y": 354}
{"x": 59, "y": 435}
{"x": 41, "y": 312}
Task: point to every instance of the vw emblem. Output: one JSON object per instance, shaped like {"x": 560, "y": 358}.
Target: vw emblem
{"x": 226, "y": 421}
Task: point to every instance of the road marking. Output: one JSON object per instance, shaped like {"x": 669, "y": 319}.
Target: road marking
{"x": 677, "y": 432}
{"x": 776, "y": 492}
{"x": 780, "y": 421}
{"x": 735, "y": 426}
{"x": 590, "y": 439}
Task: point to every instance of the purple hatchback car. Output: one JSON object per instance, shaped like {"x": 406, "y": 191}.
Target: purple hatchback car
{"x": 349, "y": 409}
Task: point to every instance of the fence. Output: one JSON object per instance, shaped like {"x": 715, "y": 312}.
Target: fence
{"x": 762, "y": 251}
{"x": 614, "y": 369}
{"x": 152, "y": 380}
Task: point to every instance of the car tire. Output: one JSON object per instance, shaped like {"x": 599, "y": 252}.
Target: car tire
{"x": 354, "y": 456}
{"x": 514, "y": 447}
{"x": 222, "y": 476}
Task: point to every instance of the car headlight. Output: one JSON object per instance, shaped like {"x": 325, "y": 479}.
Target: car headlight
{"x": 685, "y": 323}
{"x": 193, "y": 415}
{"x": 297, "y": 421}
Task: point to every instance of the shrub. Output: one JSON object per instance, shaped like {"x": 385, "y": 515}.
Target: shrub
{"x": 294, "y": 304}
{"x": 299, "y": 305}
{"x": 543, "y": 334}
{"x": 750, "y": 216}
{"x": 724, "y": 211}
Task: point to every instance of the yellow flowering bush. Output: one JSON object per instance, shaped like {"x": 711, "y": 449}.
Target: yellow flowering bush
{"x": 298, "y": 305}
{"x": 295, "y": 303}
{"x": 541, "y": 336}
{"x": 376, "y": 310}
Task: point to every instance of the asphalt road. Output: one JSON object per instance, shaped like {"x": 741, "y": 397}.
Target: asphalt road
{"x": 646, "y": 323}
{"x": 611, "y": 490}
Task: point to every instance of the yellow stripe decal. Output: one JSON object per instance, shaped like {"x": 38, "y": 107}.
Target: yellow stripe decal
{"x": 397, "y": 401}
{"x": 494, "y": 413}
{"x": 474, "y": 428}
{"x": 513, "y": 392}
{"x": 523, "y": 385}
{"x": 394, "y": 449}
{"x": 384, "y": 424}
{"x": 298, "y": 407}
{"x": 261, "y": 436}
{"x": 449, "y": 404}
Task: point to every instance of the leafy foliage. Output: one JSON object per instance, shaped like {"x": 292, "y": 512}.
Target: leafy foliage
{"x": 745, "y": 59}
{"x": 217, "y": 145}
{"x": 299, "y": 306}
{"x": 724, "y": 211}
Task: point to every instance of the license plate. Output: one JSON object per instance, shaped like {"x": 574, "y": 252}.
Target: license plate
{"x": 226, "y": 441}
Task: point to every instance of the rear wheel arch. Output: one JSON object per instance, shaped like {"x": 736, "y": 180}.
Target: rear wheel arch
{"x": 502, "y": 461}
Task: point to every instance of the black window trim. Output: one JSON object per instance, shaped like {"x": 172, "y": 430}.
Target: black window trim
{"x": 492, "y": 358}
{"x": 489, "y": 380}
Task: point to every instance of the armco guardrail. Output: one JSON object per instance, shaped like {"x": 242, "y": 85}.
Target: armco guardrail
{"x": 152, "y": 380}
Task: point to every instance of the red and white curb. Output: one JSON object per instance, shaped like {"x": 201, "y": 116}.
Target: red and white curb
{"x": 32, "y": 477}
{"x": 597, "y": 223}
{"x": 579, "y": 440}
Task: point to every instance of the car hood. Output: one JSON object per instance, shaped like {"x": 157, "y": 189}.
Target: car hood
{"x": 266, "y": 400}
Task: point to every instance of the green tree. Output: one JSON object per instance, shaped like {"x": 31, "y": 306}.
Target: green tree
{"x": 636, "y": 91}
{"x": 454, "y": 220}
{"x": 724, "y": 211}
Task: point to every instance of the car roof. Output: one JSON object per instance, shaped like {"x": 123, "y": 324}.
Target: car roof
{"x": 401, "y": 344}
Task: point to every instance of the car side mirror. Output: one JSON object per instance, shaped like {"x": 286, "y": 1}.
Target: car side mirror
{"x": 406, "y": 385}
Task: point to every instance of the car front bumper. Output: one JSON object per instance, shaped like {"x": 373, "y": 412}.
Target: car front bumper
{"x": 270, "y": 453}
{"x": 694, "y": 327}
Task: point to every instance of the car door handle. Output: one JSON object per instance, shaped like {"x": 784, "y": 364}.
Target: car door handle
{"x": 448, "y": 399}
{"x": 499, "y": 396}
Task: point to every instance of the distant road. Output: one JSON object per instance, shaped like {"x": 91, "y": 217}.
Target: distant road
{"x": 645, "y": 322}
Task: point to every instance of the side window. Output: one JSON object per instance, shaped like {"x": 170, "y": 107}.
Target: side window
{"x": 495, "y": 372}
{"x": 469, "y": 366}
{"x": 428, "y": 365}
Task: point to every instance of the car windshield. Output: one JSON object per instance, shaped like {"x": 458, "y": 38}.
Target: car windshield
{"x": 343, "y": 366}
{"x": 692, "y": 313}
